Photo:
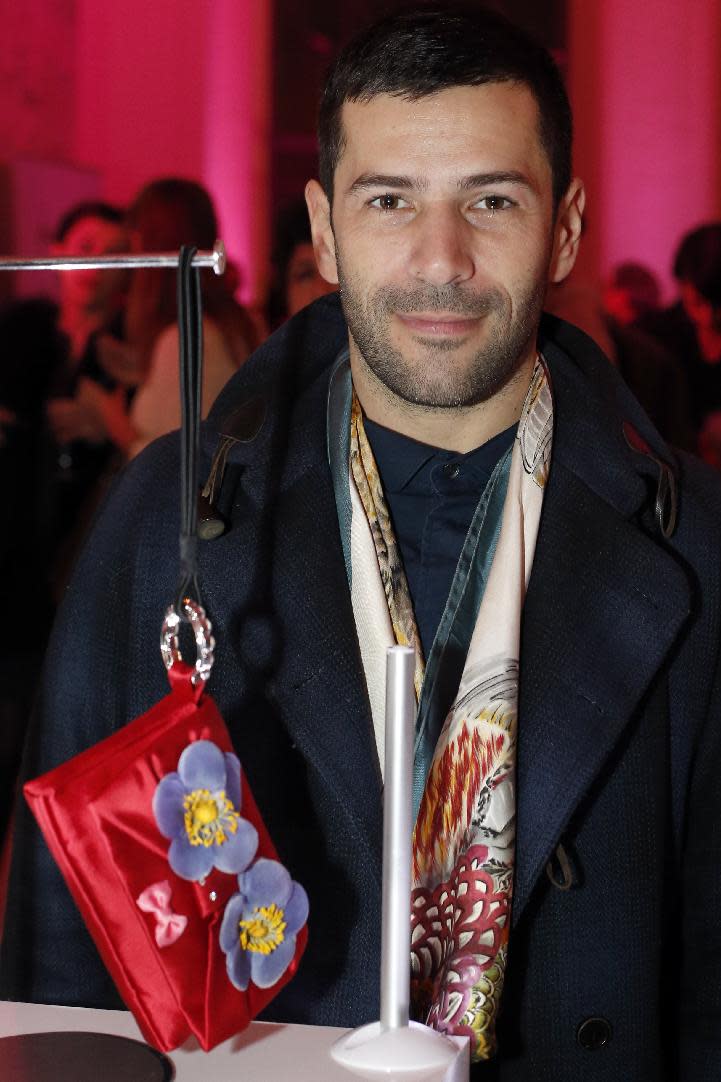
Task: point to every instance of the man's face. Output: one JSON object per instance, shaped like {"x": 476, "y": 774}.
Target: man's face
{"x": 443, "y": 238}
{"x": 89, "y": 237}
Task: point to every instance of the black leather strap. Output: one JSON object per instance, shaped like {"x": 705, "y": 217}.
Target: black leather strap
{"x": 190, "y": 328}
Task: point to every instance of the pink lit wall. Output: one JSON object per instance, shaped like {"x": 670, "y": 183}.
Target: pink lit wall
{"x": 139, "y": 91}
{"x": 645, "y": 81}
{"x": 180, "y": 87}
{"x": 37, "y": 79}
{"x": 237, "y": 130}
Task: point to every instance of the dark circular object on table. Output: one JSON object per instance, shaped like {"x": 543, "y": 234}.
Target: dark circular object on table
{"x": 81, "y": 1057}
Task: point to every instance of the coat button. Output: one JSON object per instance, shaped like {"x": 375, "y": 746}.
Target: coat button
{"x": 594, "y": 1033}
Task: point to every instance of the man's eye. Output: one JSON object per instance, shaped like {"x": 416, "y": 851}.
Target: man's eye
{"x": 494, "y": 202}
{"x": 387, "y": 201}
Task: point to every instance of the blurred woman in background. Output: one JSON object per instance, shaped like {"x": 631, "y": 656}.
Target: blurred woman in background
{"x": 167, "y": 214}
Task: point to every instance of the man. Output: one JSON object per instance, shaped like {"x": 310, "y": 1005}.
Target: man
{"x": 45, "y": 474}
{"x": 691, "y": 329}
{"x": 648, "y": 369}
{"x": 402, "y": 487}
{"x": 297, "y": 281}
{"x": 630, "y": 292}
{"x": 88, "y": 298}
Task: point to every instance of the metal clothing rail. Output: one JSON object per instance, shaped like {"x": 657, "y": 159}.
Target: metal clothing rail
{"x": 215, "y": 259}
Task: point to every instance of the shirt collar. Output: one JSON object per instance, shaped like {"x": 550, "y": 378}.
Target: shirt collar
{"x": 400, "y": 458}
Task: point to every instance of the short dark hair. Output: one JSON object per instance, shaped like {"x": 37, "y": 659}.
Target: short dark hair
{"x": 420, "y": 52}
{"x": 90, "y": 209}
{"x": 641, "y": 285}
{"x": 698, "y": 261}
{"x": 171, "y": 211}
{"x": 292, "y": 228}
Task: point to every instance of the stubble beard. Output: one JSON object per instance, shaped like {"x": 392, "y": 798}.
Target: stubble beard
{"x": 433, "y": 378}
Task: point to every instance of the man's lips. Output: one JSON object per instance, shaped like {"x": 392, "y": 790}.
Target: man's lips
{"x": 445, "y": 324}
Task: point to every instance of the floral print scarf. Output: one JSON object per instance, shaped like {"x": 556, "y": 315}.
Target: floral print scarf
{"x": 464, "y": 836}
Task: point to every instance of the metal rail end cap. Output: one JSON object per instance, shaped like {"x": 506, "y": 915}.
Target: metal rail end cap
{"x": 220, "y": 259}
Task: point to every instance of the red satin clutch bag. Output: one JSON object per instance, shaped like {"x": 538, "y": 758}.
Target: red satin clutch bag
{"x": 162, "y": 847}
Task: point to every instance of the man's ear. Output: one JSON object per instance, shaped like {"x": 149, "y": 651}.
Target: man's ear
{"x": 322, "y": 231}
{"x": 567, "y": 231}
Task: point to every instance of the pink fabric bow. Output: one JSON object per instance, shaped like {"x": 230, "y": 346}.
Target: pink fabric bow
{"x": 169, "y": 926}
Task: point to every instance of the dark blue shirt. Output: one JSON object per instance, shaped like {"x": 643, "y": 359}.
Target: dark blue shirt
{"x": 432, "y": 495}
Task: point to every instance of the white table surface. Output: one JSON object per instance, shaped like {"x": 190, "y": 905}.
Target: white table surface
{"x": 265, "y": 1052}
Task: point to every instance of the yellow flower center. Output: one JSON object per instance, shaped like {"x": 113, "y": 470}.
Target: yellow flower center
{"x": 264, "y": 931}
{"x": 209, "y": 817}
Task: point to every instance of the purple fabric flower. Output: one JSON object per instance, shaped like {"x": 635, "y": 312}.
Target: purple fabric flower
{"x": 198, "y": 808}
{"x": 260, "y": 925}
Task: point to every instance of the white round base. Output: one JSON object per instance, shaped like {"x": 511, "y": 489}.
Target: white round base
{"x": 413, "y": 1053}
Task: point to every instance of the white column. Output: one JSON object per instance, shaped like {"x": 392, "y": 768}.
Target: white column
{"x": 237, "y": 131}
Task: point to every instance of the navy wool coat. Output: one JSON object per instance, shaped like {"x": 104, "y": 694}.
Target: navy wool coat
{"x": 615, "y": 952}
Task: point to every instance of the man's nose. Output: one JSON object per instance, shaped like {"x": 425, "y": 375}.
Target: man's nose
{"x": 441, "y": 254}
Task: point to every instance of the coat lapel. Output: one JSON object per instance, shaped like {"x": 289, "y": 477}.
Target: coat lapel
{"x": 605, "y": 603}
{"x": 285, "y": 524}
{"x": 320, "y": 684}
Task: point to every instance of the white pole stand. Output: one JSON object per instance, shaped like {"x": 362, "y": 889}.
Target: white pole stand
{"x": 411, "y": 1053}
{"x": 395, "y": 1049}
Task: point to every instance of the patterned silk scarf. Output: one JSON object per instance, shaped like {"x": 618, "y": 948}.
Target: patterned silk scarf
{"x": 464, "y": 837}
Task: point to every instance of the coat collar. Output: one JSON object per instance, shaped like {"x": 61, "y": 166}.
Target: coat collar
{"x": 606, "y": 600}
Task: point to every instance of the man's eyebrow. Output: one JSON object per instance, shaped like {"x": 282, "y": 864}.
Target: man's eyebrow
{"x": 483, "y": 180}
{"x": 383, "y": 180}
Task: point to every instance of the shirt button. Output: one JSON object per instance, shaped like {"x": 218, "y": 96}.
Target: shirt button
{"x": 594, "y": 1033}
{"x": 451, "y": 469}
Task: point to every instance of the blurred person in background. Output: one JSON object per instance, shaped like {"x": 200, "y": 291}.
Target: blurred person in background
{"x": 691, "y": 329}
{"x": 46, "y": 349}
{"x": 632, "y": 291}
{"x": 607, "y": 315}
{"x": 296, "y": 278}
{"x": 166, "y": 214}
{"x": 77, "y": 452}
{"x": 88, "y": 297}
